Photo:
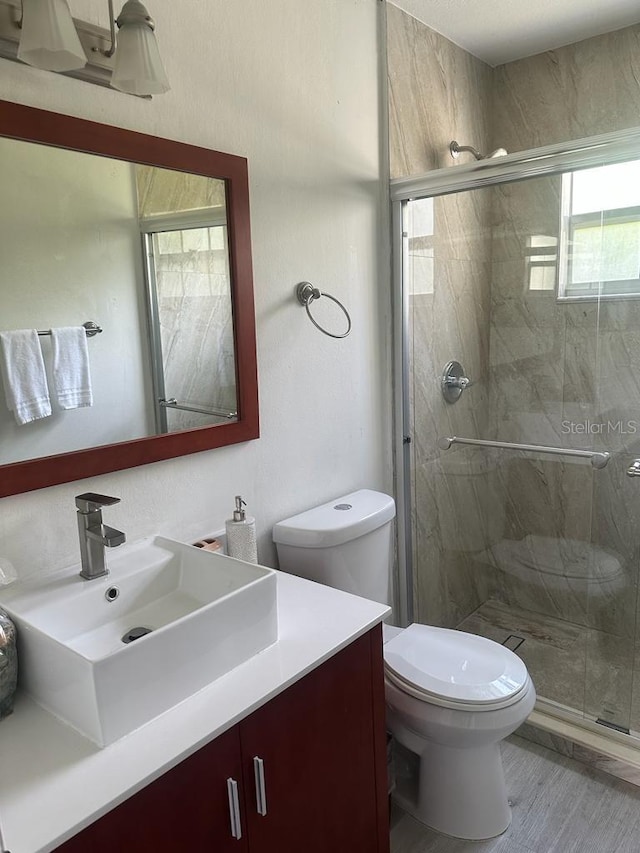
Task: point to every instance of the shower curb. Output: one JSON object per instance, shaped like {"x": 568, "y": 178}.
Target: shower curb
{"x": 615, "y": 754}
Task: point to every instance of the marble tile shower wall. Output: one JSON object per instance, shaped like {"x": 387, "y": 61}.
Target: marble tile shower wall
{"x": 538, "y": 363}
{"x": 438, "y": 92}
{"x": 193, "y": 293}
{"x": 580, "y": 90}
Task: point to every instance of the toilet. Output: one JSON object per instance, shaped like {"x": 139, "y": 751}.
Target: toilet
{"x": 451, "y": 696}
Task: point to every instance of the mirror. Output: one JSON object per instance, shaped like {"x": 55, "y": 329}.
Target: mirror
{"x": 149, "y": 239}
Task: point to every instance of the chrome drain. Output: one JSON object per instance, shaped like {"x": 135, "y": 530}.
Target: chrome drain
{"x": 135, "y": 634}
{"x": 513, "y": 642}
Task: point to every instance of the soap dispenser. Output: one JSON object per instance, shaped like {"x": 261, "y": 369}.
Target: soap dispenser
{"x": 241, "y": 534}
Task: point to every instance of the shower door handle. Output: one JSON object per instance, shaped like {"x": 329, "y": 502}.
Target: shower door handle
{"x": 634, "y": 469}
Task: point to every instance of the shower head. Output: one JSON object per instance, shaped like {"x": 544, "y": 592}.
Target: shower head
{"x": 456, "y": 149}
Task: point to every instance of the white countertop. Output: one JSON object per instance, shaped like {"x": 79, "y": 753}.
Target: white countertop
{"x": 54, "y": 782}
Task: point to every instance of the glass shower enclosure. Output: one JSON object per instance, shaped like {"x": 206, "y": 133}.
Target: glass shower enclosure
{"x": 518, "y": 324}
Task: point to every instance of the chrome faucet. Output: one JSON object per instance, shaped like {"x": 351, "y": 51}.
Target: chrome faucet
{"x": 94, "y": 535}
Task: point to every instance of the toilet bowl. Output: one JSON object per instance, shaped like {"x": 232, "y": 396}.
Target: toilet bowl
{"x": 451, "y": 696}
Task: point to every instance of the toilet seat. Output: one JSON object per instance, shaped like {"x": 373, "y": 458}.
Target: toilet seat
{"x": 454, "y": 669}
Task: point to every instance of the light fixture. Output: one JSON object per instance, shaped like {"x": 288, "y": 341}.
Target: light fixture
{"x": 49, "y": 39}
{"x": 138, "y": 69}
{"x": 45, "y": 35}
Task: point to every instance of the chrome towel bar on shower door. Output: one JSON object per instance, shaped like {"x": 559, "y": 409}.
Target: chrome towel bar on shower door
{"x": 597, "y": 458}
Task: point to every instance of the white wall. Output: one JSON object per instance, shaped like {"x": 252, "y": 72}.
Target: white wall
{"x": 295, "y": 87}
{"x": 70, "y": 250}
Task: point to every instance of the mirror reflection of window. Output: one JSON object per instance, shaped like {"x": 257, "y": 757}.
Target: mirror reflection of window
{"x": 420, "y": 229}
{"x": 600, "y": 236}
{"x": 541, "y": 263}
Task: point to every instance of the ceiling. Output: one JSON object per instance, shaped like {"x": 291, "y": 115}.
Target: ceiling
{"x": 499, "y": 31}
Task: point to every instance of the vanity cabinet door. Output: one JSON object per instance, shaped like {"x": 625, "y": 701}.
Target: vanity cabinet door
{"x": 187, "y": 809}
{"x": 320, "y": 743}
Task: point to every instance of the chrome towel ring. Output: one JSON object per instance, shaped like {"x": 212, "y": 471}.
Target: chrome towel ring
{"x": 306, "y": 293}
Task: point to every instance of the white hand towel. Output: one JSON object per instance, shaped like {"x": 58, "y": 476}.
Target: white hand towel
{"x": 71, "y": 374}
{"x": 25, "y": 380}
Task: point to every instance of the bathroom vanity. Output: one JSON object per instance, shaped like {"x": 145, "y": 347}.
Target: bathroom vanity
{"x": 306, "y": 715}
{"x": 303, "y": 770}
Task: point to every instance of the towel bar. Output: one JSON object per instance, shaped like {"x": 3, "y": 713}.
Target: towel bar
{"x": 597, "y": 458}
{"x": 90, "y": 328}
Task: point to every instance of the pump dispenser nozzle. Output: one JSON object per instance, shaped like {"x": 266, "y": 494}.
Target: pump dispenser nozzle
{"x": 239, "y": 514}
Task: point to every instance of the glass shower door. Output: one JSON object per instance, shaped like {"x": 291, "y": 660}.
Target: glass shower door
{"x": 536, "y": 551}
{"x": 599, "y": 268}
{"x": 543, "y": 355}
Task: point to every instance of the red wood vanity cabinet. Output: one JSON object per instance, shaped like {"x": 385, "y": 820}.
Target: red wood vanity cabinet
{"x": 319, "y": 747}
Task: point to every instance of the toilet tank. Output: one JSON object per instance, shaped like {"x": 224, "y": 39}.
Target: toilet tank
{"x": 345, "y": 543}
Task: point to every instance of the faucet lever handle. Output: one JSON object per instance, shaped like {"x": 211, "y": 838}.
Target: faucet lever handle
{"x": 90, "y": 501}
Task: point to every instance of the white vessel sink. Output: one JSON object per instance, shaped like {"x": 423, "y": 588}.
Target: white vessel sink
{"x": 207, "y": 613}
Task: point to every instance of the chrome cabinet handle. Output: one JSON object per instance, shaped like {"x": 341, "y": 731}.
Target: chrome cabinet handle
{"x": 261, "y": 788}
{"x": 234, "y": 809}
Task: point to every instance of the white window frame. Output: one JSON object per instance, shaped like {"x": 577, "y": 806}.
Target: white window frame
{"x": 592, "y": 291}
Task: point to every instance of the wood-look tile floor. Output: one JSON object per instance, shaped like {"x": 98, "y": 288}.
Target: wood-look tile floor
{"x": 559, "y": 806}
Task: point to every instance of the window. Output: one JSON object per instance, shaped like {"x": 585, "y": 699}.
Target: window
{"x": 600, "y": 232}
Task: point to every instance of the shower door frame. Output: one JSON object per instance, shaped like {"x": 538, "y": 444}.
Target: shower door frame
{"x": 548, "y": 160}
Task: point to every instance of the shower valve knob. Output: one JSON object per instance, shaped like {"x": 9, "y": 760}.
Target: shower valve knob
{"x": 462, "y": 382}
{"x": 454, "y": 381}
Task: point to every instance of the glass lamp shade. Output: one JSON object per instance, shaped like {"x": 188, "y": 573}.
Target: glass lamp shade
{"x": 138, "y": 68}
{"x": 49, "y": 39}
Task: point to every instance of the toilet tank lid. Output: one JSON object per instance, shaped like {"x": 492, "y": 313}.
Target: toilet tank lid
{"x": 338, "y": 521}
